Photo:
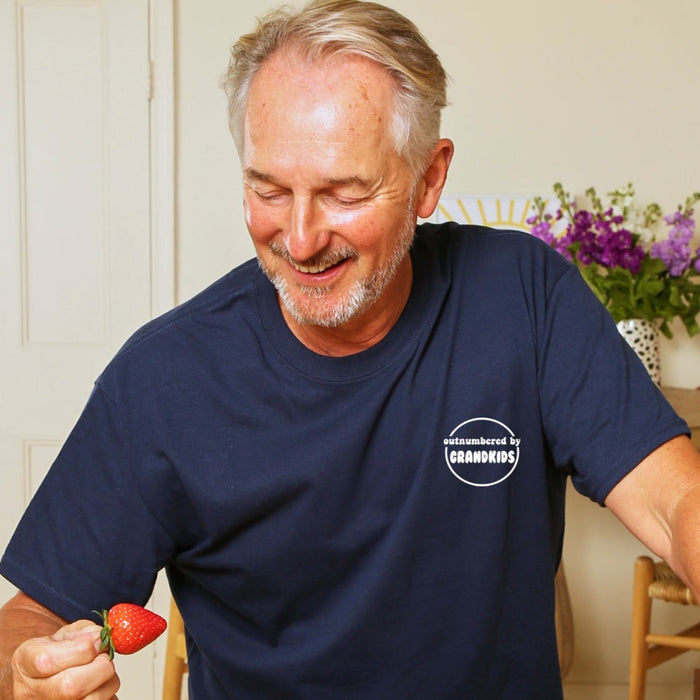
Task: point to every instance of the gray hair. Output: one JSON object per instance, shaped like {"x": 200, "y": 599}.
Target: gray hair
{"x": 326, "y": 28}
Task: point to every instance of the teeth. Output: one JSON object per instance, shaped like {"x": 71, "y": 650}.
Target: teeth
{"x": 313, "y": 269}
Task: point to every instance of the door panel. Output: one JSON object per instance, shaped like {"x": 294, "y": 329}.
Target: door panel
{"x": 75, "y": 234}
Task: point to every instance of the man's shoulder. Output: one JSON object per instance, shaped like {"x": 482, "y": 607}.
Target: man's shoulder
{"x": 234, "y": 289}
{"x": 476, "y": 234}
{"x": 486, "y": 249}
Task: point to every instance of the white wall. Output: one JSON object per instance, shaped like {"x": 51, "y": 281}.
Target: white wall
{"x": 590, "y": 93}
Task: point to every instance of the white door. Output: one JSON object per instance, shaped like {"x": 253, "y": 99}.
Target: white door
{"x": 76, "y": 234}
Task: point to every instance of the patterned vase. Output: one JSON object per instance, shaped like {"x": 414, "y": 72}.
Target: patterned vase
{"x": 643, "y": 337}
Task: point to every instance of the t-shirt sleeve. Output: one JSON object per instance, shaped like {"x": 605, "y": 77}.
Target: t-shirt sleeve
{"x": 602, "y": 413}
{"x": 88, "y": 538}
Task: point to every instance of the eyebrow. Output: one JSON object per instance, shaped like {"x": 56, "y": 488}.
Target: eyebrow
{"x": 254, "y": 174}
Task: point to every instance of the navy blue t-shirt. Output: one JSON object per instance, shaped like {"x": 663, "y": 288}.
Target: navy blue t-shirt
{"x": 382, "y": 525}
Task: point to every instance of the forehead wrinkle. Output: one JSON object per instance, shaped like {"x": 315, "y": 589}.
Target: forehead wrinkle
{"x": 350, "y": 180}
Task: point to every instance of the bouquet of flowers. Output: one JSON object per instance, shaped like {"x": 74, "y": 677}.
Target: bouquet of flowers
{"x": 634, "y": 274}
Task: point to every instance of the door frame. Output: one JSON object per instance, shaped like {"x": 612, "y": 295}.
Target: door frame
{"x": 162, "y": 157}
{"x": 163, "y": 257}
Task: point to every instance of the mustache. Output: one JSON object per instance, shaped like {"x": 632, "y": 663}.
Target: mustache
{"x": 323, "y": 260}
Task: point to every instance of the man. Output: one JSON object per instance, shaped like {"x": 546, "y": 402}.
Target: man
{"x": 352, "y": 466}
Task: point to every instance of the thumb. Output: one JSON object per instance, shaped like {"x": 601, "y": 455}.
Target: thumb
{"x": 73, "y": 645}
{"x": 76, "y": 630}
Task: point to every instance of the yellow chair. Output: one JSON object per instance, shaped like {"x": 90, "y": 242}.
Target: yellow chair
{"x": 175, "y": 655}
{"x": 656, "y": 581}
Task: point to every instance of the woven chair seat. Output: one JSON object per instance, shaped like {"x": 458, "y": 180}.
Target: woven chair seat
{"x": 667, "y": 586}
{"x": 657, "y": 581}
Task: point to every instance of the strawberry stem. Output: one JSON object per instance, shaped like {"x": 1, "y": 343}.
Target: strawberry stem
{"x": 106, "y": 634}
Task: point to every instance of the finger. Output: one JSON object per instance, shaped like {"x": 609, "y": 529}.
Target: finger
{"x": 106, "y": 691}
{"x": 46, "y": 656}
{"x": 96, "y": 680}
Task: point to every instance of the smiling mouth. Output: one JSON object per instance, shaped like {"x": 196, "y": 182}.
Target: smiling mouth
{"x": 318, "y": 268}
{"x": 318, "y": 264}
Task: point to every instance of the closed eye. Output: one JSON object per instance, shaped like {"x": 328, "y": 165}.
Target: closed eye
{"x": 272, "y": 197}
{"x": 267, "y": 196}
{"x": 345, "y": 201}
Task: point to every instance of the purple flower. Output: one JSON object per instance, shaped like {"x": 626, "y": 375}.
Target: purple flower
{"x": 674, "y": 253}
{"x": 632, "y": 259}
{"x": 603, "y": 238}
{"x": 675, "y": 250}
{"x": 542, "y": 230}
{"x": 582, "y": 223}
{"x": 561, "y": 245}
{"x": 680, "y": 219}
{"x": 602, "y": 243}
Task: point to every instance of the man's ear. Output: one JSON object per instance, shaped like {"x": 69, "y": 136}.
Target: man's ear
{"x": 433, "y": 180}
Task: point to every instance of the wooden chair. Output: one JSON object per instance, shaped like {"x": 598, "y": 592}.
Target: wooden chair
{"x": 175, "y": 655}
{"x": 656, "y": 581}
{"x": 564, "y": 620}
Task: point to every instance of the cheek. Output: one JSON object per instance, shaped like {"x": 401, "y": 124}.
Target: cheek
{"x": 247, "y": 214}
{"x": 376, "y": 232}
{"x": 348, "y": 218}
{"x": 259, "y": 220}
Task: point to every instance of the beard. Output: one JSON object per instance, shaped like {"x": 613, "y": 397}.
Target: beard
{"x": 315, "y": 305}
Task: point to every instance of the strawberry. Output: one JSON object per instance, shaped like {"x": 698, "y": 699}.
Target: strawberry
{"x": 127, "y": 628}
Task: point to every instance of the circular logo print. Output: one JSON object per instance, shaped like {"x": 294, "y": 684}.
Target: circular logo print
{"x": 482, "y": 452}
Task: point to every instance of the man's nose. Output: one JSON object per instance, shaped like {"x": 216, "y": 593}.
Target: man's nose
{"x": 308, "y": 232}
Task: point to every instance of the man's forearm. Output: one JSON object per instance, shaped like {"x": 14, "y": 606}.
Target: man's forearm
{"x": 659, "y": 502}
{"x": 685, "y": 539}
